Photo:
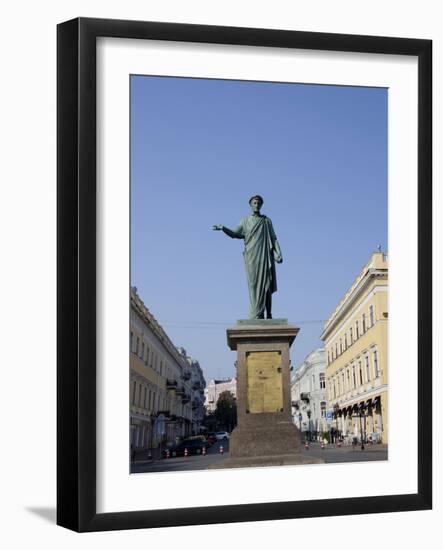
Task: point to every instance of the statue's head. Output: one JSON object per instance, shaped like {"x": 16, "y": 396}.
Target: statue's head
{"x": 256, "y": 203}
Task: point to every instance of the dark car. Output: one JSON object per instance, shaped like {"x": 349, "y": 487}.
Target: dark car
{"x": 194, "y": 447}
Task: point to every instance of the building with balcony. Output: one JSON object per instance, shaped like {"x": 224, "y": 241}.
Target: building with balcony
{"x": 164, "y": 384}
{"x": 308, "y": 394}
{"x": 356, "y": 343}
{"x": 215, "y": 388}
{"x": 193, "y": 375}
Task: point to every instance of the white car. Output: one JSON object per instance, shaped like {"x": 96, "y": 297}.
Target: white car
{"x": 222, "y": 436}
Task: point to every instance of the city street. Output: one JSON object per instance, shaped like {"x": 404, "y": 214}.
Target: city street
{"x": 333, "y": 454}
{"x": 330, "y": 454}
{"x": 181, "y": 463}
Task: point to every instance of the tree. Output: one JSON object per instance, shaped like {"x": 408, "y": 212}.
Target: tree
{"x": 226, "y": 410}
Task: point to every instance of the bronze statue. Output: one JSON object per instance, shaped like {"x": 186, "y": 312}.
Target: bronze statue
{"x": 261, "y": 252}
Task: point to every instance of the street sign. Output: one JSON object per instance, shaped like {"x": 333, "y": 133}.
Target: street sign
{"x": 329, "y": 415}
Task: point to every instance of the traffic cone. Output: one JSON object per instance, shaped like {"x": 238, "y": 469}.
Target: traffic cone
{"x": 204, "y": 451}
{"x": 186, "y": 452}
{"x": 221, "y": 450}
{"x": 322, "y": 445}
{"x": 168, "y": 454}
{"x": 306, "y": 445}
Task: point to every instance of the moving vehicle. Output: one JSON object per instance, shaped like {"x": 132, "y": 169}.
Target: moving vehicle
{"x": 222, "y": 436}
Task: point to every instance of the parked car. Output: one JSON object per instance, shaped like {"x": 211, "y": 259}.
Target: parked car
{"x": 194, "y": 447}
{"x": 222, "y": 436}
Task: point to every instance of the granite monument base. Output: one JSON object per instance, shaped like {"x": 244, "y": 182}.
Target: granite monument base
{"x": 265, "y": 434}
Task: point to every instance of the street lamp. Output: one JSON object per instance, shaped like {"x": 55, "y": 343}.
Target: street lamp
{"x": 308, "y": 412}
{"x": 336, "y": 410}
{"x": 300, "y": 416}
{"x": 360, "y": 415}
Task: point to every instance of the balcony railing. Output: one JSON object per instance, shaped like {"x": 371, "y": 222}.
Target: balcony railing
{"x": 171, "y": 384}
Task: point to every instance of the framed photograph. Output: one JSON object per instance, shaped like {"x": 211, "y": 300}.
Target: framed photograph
{"x": 192, "y": 388}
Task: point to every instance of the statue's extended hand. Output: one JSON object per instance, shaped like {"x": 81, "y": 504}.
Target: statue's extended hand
{"x": 278, "y": 259}
{"x": 217, "y": 227}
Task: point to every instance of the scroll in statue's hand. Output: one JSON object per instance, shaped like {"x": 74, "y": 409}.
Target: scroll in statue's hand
{"x": 278, "y": 258}
{"x": 217, "y": 227}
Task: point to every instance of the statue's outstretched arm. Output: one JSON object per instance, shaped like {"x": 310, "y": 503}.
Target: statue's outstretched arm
{"x": 227, "y": 231}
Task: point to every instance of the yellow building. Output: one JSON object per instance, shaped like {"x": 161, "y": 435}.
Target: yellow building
{"x": 166, "y": 393}
{"x": 356, "y": 342}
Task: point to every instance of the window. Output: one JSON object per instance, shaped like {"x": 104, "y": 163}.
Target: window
{"x": 313, "y": 382}
{"x": 361, "y": 373}
{"x": 376, "y": 371}
{"x": 336, "y": 349}
{"x": 343, "y": 382}
{"x": 371, "y": 316}
{"x": 143, "y": 350}
{"x": 363, "y": 321}
{"x": 335, "y": 390}
{"x": 322, "y": 381}
{"x": 346, "y": 340}
{"x": 137, "y": 345}
{"x": 134, "y": 388}
{"x": 341, "y": 347}
{"x": 131, "y": 343}
{"x": 140, "y": 395}
{"x": 144, "y": 399}
{"x": 350, "y": 335}
{"x": 368, "y": 375}
{"x": 357, "y": 334}
{"x": 353, "y": 376}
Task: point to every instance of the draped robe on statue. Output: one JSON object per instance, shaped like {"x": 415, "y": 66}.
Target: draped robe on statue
{"x": 259, "y": 237}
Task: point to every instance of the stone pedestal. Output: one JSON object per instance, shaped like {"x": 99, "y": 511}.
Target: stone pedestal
{"x": 265, "y": 434}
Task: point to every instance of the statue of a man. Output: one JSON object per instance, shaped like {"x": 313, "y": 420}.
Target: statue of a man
{"x": 261, "y": 252}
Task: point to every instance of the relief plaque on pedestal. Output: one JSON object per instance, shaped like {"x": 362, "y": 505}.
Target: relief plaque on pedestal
{"x": 264, "y": 382}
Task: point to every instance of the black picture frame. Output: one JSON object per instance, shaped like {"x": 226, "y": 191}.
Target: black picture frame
{"x": 76, "y": 265}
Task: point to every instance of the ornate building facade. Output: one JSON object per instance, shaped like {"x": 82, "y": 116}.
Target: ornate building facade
{"x": 308, "y": 394}
{"x": 166, "y": 386}
{"x": 356, "y": 342}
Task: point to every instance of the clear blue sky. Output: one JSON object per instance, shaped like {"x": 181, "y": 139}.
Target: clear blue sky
{"x": 200, "y": 148}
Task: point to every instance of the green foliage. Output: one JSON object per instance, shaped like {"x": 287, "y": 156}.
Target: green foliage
{"x": 325, "y": 435}
{"x": 226, "y": 410}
